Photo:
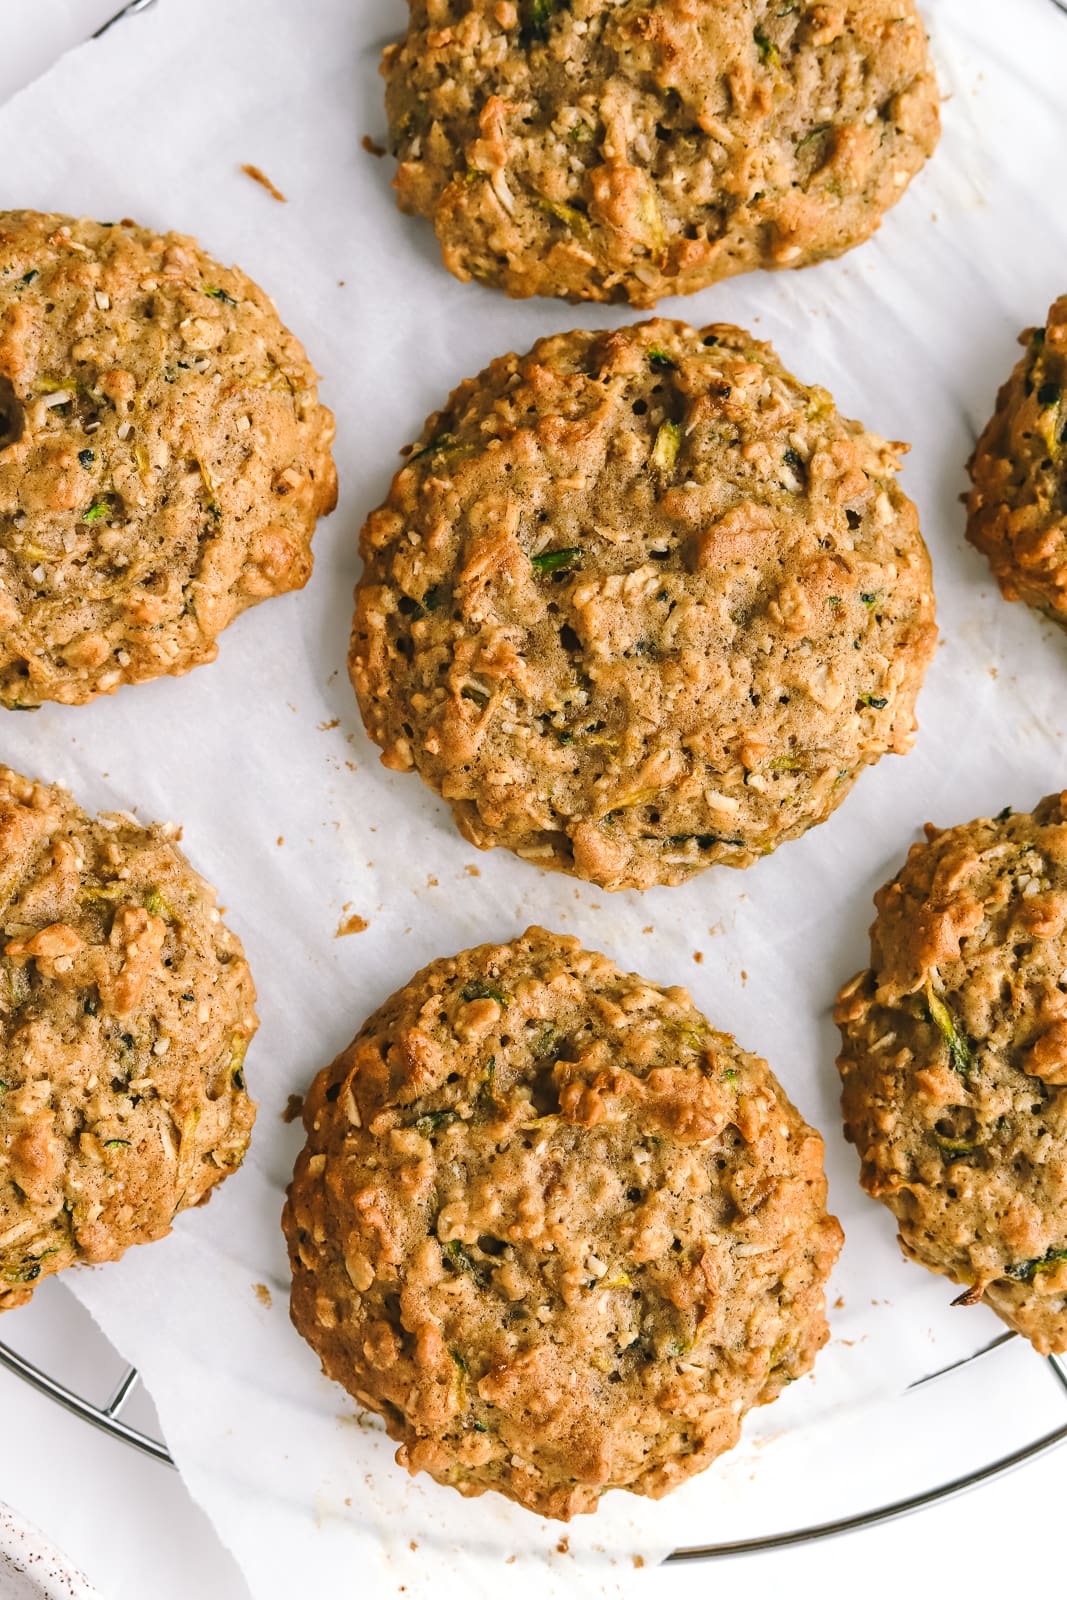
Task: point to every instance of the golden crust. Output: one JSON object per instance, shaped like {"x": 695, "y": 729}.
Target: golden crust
{"x": 954, "y": 1063}
{"x": 640, "y": 602}
{"x": 126, "y": 1008}
{"x": 163, "y": 455}
{"x": 1017, "y": 510}
{"x": 606, "y": 151}
{"x": 556, "y": 1230}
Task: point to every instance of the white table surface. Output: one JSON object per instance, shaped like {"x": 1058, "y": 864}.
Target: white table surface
{"x": 138, "y": 1535}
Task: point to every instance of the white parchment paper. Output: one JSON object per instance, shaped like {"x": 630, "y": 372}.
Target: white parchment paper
{"x": 262, "y": 758}
{"x": 57, "y": 25}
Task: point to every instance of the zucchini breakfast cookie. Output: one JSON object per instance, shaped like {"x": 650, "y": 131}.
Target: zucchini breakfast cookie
{"x": 125, "y": 1011}
{"x": 954, "y": 1063}
{"x": 163, "y": 455}
{"x": 555, "y": 1229}
{"x": 618, "y": 150}
{"x": 1017, "y": 511}
{"x": 639, "y": 602}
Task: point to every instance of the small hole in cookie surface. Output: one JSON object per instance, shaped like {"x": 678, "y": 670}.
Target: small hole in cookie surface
{"x": 12, "y": 416}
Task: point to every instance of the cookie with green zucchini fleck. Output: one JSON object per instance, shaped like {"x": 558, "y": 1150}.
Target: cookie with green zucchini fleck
{"x": 602, "y": 151}
{"x": 126, "y": 1007}
{"x": 555, "y": 1229}
{"x": 1017, "y": 509}
{"x": 163, "y": 455}
{"x": 641, "y": 601}
{"x": 954, "y": 1063}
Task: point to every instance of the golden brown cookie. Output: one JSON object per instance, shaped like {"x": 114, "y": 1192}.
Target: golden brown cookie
{"x": 163, "y": 455}
{"x": 1017, "y": 511}
{"x": 641, "y": 601}
{"x": 954, "y": 1061}
{"x": 555, "y": 1229}
{"x": 126, "y": 1008}
{"x": 605, "y": 151}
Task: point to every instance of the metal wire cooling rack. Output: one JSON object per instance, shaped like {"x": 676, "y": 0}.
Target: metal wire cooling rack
{"x": 129, "y": 10}
{"x": 108, "y": 1416}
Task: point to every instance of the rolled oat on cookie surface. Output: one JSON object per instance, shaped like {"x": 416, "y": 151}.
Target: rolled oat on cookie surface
{"x": 163, "y": 455}
{"x": 617, "y": 150}
{"x": 1017, "y": 509}
{"x": 555, "y": 1229}
{"x": 954, "y": 1063}
{"x": 640, "y": 602}
{"x": 126, "y": 1007}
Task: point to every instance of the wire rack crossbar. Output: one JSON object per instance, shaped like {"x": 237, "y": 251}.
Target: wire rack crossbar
{"x": 106, "y": 1417}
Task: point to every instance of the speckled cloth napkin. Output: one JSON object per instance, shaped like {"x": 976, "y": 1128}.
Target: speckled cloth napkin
{"x": 285, "y": 807}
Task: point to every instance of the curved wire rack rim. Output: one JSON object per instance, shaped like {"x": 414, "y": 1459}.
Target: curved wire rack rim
{"x": 882, "y": 1514}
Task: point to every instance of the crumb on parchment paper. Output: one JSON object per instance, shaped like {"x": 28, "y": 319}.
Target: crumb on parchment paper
{"x": 262, "y": 1294}
{"x": 350, "y": 924}
{"x": 259, "y": 176}
{"x": 294, "y": 1108}
{"x": 698, "y": 956}
{"x": 324, "y": 727}
{"x": 472, "y": 871}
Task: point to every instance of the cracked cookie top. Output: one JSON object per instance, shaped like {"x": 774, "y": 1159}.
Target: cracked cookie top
{"x": 126, "y": 1007}
{"x": 954, "y": 1062}
{"x": 163, "y": 455}
{"x": 616, "y": 150}
{"x": 640, "y": 602}
{"x": 558, "y": 1231}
